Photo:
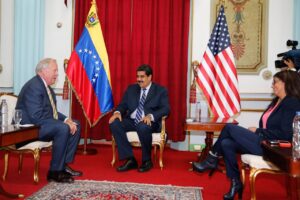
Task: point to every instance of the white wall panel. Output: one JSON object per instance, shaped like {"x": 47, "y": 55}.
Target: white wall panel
{"x": 6, "y": 43}
{"x": 58, "y": 40}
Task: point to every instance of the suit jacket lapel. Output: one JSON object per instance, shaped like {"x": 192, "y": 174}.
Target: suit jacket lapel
{"x": 44, "y": 88}
{"x": 278, "y": 106}
{"x": 138, "y": 94}
{"x": 150, "y": 93}
{"x": 42, "y": 84}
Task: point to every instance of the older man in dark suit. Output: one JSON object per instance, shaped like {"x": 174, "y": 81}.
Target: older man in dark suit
{"x": 38, "y": 104}
{"x": 141, "y": 109}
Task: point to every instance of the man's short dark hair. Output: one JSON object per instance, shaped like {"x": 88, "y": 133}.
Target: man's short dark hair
{"x": 145, "y": 68}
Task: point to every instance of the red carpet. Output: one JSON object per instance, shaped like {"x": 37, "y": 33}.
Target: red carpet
{"x": 97, "y": 167}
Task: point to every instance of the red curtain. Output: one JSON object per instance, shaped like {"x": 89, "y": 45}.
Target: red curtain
{"x": 137, "y": 32}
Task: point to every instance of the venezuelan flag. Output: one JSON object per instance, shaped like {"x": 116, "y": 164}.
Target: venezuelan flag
{"x": 88, "y": 71}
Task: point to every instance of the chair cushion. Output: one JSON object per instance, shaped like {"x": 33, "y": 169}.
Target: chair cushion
{"x": 257, "y": 162}
{"x": 36, "y": 145}
{"x": 133, "y": 137}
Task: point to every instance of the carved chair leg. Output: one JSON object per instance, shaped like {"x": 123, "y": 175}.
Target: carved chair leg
{"x": 252, "y": 177}
{"x": 36, "y": 157}
{"x": 5, "y": 165}
{"x": 113, "y": 145}
{"x": 243, "y": 173}
{"x": 161, "y": 150}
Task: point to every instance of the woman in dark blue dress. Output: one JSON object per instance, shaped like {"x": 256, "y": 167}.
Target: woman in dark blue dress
{"x": 275, "y": 124}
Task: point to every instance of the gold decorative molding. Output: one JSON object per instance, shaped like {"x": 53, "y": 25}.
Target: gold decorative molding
{"x": 252, "y": 110}
{"x": 256, "y": 99}
{"x": 259, "y": 105}
{"x": 267, "y": 75}
{"x": 9, "y": 93}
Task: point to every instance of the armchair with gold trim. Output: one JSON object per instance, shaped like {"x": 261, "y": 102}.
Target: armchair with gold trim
{"x": 158, "y": 140}
{"x": 257, "y": 165}
{"x": 33, "y": 148}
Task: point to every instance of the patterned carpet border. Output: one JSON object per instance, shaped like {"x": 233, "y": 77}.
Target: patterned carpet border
{"x": 89, "y": 189}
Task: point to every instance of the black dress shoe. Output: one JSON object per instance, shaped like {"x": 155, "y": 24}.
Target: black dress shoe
{"x": 128, "y": 165}
{"x": 210, "y": 163}
{"x": 72, "y": 172}
{"x": 146, "y": 166}
{"x": 236, "y": 187}
{"x": 60, "y": 177}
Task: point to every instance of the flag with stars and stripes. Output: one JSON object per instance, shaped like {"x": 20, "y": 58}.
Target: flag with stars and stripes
{"x": 216, "y": 74}
{"x": 88, "y": 71}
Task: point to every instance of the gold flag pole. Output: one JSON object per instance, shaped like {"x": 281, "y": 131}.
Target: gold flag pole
{"x": 84, "y": 150}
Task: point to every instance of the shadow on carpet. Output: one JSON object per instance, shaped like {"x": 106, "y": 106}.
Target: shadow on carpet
{"x": 86, "y": 189}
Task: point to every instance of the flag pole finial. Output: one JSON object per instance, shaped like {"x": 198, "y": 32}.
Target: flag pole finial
{"x": 193, "y": 90}
{"x": 93, "y": 2}
{"x": 223, "y": 2}
{"x": 195, "y": 63}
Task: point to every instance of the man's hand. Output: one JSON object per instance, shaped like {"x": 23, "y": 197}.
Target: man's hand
{"x": 72, "y": 125}
{"x": 114, "y": 116}
{"x": 147, "y": 120}
{"x": 253, "y": 129}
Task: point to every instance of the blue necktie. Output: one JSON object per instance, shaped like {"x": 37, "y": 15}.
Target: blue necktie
{"x": 140, "y": 109}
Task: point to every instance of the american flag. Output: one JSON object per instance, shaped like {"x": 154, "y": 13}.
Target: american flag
{"x": 216, "y": 74}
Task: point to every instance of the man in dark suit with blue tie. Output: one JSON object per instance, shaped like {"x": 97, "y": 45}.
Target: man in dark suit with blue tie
{"x": 38, "y": 104}
{"x": 141, "y": 109}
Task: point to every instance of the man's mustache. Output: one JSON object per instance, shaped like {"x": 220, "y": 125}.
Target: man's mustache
{"x": 140, "y": 81}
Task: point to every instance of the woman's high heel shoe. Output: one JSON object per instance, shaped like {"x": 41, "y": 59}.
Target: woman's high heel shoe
{"x": 210, "y": 163}
{"x": 235, "y": 188}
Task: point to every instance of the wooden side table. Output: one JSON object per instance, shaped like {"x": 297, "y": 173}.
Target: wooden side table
{"x": 209, "y": 125}
{"x": 11, "y": 135}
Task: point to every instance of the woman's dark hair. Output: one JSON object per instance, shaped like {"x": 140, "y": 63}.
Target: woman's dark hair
{"x": 291, "y": 81}
{"x": 145, "y": 68}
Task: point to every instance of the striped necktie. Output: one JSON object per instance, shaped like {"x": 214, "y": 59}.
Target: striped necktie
{"x": 55, "y": 115}
{"x": 140, "y": 109}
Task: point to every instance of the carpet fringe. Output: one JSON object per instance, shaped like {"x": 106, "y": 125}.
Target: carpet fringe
{"x": 192, "y": 187}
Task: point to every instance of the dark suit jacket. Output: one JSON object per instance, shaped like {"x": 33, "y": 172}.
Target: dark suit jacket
{"x": 156, "y": 103}
{"x": 279, "y": 123}
{"x": 34, "y": 102}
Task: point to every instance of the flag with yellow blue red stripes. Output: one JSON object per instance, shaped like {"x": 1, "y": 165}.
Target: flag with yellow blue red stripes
{"x": 88, "y": 70}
